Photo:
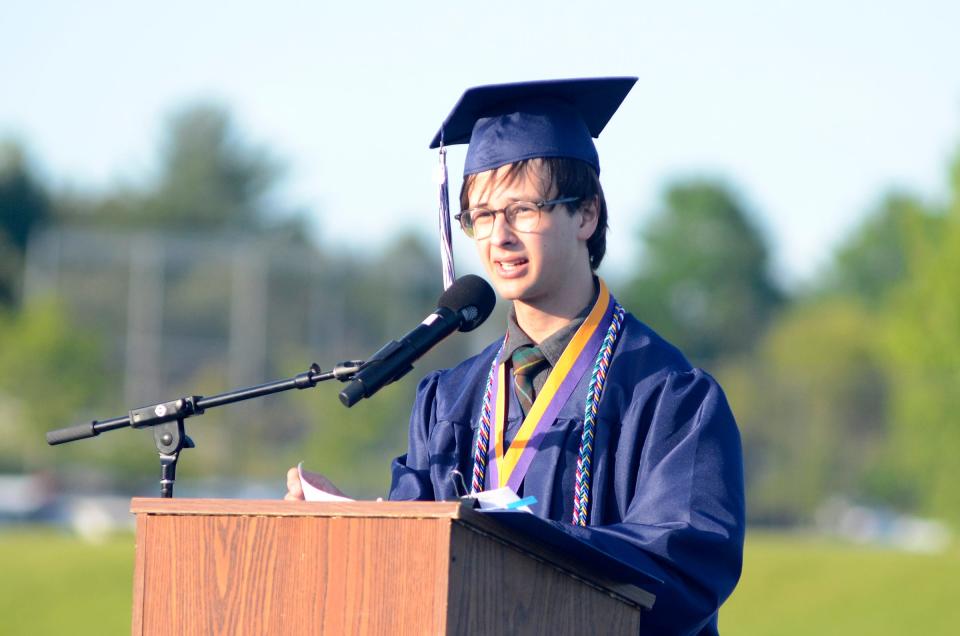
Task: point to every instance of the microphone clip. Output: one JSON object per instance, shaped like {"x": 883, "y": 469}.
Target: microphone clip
{"x": 344, "y": 371}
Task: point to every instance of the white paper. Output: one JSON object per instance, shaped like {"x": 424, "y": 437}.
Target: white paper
{"x": 500, "y": 499}
{"x": 311, "y": 484}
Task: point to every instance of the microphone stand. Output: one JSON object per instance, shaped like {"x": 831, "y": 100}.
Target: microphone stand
{"x": 167, "y": 418}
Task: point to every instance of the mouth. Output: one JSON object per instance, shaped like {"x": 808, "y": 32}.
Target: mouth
{"x": 509, "y": 268}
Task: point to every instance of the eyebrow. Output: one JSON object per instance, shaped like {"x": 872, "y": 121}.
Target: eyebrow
{"x": 486, "y": 205}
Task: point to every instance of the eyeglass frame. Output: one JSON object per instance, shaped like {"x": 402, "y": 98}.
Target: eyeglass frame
{"x": 539, "y": 205}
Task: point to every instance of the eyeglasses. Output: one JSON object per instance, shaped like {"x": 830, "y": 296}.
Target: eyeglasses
{"x": 522, "y": 216}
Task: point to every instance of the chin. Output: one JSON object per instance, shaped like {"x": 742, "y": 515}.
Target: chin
{"x": 520, "y": 288}
{"x": 506, "y": 289}
{"x": 514, "y": 290}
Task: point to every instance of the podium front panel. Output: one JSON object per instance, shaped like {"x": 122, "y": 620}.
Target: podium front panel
{"x": 272, "y": 567}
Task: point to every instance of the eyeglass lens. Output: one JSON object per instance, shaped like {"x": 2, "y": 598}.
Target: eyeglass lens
{"x": 522, "y": 216}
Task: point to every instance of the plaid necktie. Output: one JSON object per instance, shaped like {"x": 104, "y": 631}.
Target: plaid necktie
{"x": 527, "y": 363}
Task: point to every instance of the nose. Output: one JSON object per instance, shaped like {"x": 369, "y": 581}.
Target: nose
{"x": 502, "y": 233}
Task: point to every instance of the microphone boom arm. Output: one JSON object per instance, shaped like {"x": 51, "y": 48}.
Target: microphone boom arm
{"x": 167, "y": 418}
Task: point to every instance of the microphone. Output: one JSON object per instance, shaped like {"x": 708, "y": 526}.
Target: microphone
{"x": 464, "y": 306}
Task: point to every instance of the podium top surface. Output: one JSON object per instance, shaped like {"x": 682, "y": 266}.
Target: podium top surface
{"x": 279, "y": 507}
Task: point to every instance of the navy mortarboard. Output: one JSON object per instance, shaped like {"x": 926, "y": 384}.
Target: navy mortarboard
{"x": 504, "y": 123}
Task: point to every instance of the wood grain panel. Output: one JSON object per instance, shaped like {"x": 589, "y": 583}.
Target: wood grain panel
{"x": 139, "y": 575}
{"x": 207, "y": 566}
{"x": 496, "y": 588}
{"x": 244, "y": 575}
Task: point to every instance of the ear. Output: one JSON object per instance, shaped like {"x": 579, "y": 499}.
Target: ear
{"x": 589, "y": 212}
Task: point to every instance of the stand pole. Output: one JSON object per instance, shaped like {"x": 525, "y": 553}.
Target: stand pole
{"x": 170, "y": 438}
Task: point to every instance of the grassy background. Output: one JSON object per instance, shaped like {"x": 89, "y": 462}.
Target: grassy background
{"x": 51, "y": 583}
{"x": 806, "y": 585}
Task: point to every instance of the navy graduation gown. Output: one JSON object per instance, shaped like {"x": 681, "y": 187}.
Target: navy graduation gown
{"x": 667, "y": 490}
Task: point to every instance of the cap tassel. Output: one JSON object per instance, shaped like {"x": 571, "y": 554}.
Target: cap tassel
{"x": 446, "y": 240}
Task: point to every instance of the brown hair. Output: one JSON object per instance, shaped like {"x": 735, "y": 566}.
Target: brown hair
{"x": 560, "y": 177}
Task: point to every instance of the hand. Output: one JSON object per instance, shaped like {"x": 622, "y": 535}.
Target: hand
{"x": 294, "y": 487}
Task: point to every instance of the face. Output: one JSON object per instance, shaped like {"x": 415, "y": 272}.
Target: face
{"x": 531, "y": 267}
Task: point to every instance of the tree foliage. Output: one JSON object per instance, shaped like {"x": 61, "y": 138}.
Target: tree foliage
{"x": 209, "y": 178}
{"x": 875, "y": 257}
{"x": 854, "y": 389}
{"x": 704, "y": 281}
{"x": 50, "y": 374}
{"x": 923, "y": 345}
{"x": 811, "y": 402}
{"x": 24, "y": 206}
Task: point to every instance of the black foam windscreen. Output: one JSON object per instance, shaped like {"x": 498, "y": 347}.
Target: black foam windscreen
{"x": 471, "y": 297}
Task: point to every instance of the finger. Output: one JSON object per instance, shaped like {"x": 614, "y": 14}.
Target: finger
{"x": 293, "y": 479}
{"x": 294, "y": 488}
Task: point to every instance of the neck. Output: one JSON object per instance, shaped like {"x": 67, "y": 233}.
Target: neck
{"x": 541, "y": 318}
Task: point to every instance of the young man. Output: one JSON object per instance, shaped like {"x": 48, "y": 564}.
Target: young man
{"x": 581, "y": 405}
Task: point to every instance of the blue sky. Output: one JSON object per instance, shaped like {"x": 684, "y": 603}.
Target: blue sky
{"x": 811, "y": 109}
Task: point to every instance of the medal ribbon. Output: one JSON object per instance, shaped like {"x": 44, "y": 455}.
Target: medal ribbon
{"x": 509, "y": 469}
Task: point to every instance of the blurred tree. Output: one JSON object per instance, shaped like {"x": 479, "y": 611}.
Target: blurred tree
{"x": 923, "y": 346}
{"x": 853, "y": 390}
{"x": 394, "y": 291}
{"x": 210, "y": 178}
{"x": 812, "y": 407}
{"x": 24, "y": 205}
{"x": 874, "y": 259}
{"x": 49, "y": 372}
{"x": 704, "y": 281}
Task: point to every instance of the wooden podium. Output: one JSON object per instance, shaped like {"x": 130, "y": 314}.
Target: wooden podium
{"x": 220, "y": 566}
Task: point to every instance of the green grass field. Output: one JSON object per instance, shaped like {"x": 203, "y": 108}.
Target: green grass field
{"x": 795, "y": 585}
{"x": 52, "y": 583}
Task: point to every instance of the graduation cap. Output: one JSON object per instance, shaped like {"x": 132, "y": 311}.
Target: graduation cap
{"x": 506, "y": 123}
